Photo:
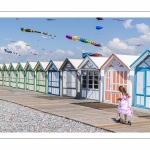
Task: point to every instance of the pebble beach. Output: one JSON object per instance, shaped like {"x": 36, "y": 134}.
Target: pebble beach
{"x": 17, "y": 118}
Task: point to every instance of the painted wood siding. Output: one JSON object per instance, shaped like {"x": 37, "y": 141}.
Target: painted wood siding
{"x": 21, "y": 80}
{"x": 40, "y": 82}
{"x": 30, "y": 80}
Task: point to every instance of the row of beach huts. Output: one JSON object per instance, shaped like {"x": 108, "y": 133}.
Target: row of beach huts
{"x": 96, "y": 78}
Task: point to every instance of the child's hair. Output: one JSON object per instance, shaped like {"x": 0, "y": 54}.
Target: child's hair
{"x": 123, "y": 90}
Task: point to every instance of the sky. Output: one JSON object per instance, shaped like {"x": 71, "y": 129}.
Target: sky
{"x": 120, "y": 37}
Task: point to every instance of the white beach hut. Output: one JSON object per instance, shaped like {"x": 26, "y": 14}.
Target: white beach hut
{"x": 91, "y": 77}
{"x": 70, "y": 77}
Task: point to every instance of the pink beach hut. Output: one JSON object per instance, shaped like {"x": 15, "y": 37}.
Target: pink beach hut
{"x": 115, "y": 72}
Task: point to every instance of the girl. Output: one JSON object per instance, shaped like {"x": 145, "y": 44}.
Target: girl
{"x": 123, "y": 107}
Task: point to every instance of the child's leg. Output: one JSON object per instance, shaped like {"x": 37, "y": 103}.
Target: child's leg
{"x": 125, "y": 118}
{"x": 118, "y": 116}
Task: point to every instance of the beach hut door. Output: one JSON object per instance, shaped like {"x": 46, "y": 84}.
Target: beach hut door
{"x": 64, "y": 82}
{"x": 147, "y": 89}
{"x": 54, "y": 84}
{"x": 71, "y": 83}
{"x": 140, "y": 88}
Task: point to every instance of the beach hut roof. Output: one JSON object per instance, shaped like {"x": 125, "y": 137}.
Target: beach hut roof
{"x": 5, "y": 64}
{"x": 14, "y": 65}
{"x": 98, "y": 61}
{"x": 43, "y": 65}
{"x": 32, "y": 64}
{"x": 126, "y": 60}
{"x": 56, "y": 63}
{"x": 75, "y": 63}
{"x": 140, "y": 58}
{"x": 22, "y": 64}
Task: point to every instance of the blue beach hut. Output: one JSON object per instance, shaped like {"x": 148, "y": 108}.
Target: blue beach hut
{"x": 142, "y": 80}
{"x": 54, "y": 77}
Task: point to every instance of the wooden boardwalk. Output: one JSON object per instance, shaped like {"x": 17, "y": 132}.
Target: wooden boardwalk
{"x": 101, "y": 115}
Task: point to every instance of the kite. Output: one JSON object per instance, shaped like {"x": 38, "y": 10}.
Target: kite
{"x": 99, "y": 18}
{"x": 34, "y": 53}
{"x": 140, "y": 45}
{"x": 99, "y": 27}
{"x": 7, "y": 51}
{"x": 33, "y": 31}
{"x": 27, "y": 44}
{"x": 83, "y": 40}
{"x": 12, "y": 41}
{"x": 91, "y": 54}
{"x": 17, "y": 18}
{"x": 75, "y": 38}
{"x": 117, "y": 19}
{"x": 50, "y": 19}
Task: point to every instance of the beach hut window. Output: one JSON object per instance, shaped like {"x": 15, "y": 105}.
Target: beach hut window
{"x": 96, "y": 74}
{"x": 84, "y": 79}
{"x": 93, "y": 79}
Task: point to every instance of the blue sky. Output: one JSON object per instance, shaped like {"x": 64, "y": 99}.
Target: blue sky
{"x": 116, "y": 37}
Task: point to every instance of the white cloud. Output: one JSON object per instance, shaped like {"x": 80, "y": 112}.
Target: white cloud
{"x": 64, "y": 53}
{"x": 140, "y": 40}
{"x": 82, "y": 50}
{"x": 127, "y": 24}
{"x": 120, "y": 45}
{"x": 54, "y": 55}
{"x": 143, "y": 28}
{"x": 134, "y": 40}
{"x": 18, "y": 47}
{"x": 2, "y": 50}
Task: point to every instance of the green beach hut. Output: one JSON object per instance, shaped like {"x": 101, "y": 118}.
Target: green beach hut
{"x": 20, "y": 75}
{"x": 1, "y": 74}
{"x": 30, "y": 76}
{"x": 13, "y": 74}
{"x": 41, "y": 82}
{"x": 6, "y": 75}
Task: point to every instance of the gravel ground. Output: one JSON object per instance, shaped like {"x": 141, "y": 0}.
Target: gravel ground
{"x": 17, "y": 118}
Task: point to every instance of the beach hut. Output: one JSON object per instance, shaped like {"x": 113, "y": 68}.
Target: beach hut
{"x": 91, "y": 77}
{"x": 141, "y": 67}
{"x": 41, "y": 77}
{"x": 1, "y": 74}
{"x": 54, "y": 77}
{"x": 21, "y": 75}
{"x": 6, "y": 74}
{"x": 71, "y": 77}
{"x": 115, "y": 72}
{"x": 30, "y": 76}
{"x": 13, "y": 74}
